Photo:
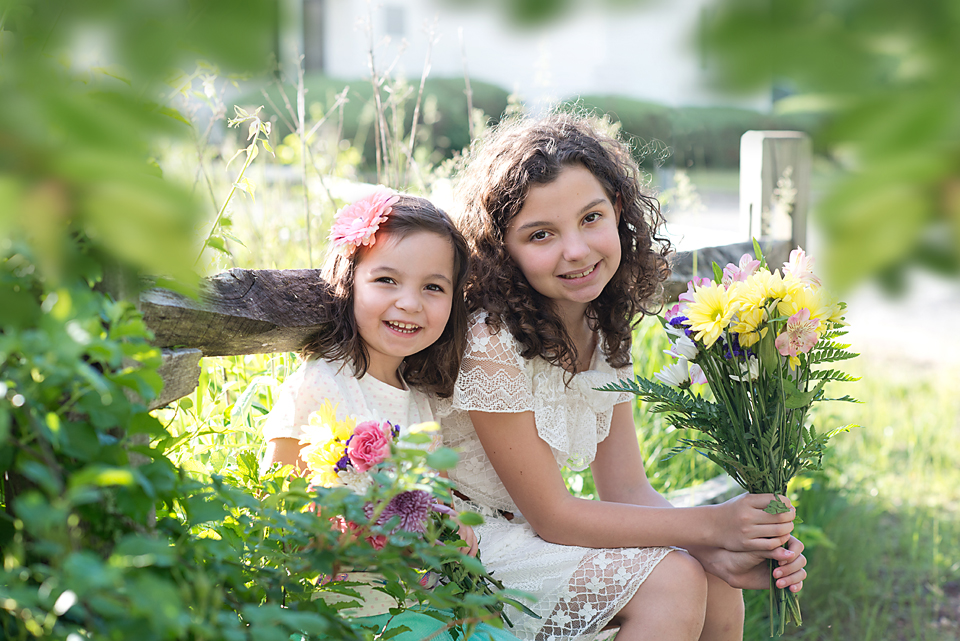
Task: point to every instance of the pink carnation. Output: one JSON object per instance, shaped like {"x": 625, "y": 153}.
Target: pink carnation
{"x": 369, "y": 445}
{"x": 357, "y": 224}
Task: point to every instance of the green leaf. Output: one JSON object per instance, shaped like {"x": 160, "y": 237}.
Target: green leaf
{"x": 758, "y": 253}
{"x": 776, "y": 506}
{"x": 794, "y": 398}
{"x": 443, "y": 459}
{"x": 176, "y": 115}
{"x": 141, "y": 551}
{"x": 717, "y": 273}
{"x": 201, "y": 509}
{"x": 470, "y": 518}
{"x": 242, "y": 407}
{"x": 218, "y": 244}
{"x": 102, "y": 476}
{"x": 393, "y": 631}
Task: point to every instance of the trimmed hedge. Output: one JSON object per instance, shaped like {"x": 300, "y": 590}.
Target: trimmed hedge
{"x": 689, "y": 136}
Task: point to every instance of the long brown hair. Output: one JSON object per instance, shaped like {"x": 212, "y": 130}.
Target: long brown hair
{"x": 433, "y": 369}
{"x": 492, "y": 190}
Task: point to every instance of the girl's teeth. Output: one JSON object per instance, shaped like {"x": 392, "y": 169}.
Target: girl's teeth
{"x": 581, "y": 274}
{"x": 404, "y": 327}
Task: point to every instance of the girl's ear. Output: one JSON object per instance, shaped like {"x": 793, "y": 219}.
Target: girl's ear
{"x": 618, "y": 206}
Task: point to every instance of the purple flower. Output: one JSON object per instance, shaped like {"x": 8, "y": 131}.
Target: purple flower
{"x": 679, "y": 323}
{"x": 413, "y": 508}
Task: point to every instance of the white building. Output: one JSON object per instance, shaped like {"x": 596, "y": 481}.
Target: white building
{"x": 647, "y": 51}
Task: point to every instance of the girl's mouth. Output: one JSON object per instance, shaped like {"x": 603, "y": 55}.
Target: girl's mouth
{"x": 586, "y": 272}
{"x": 403, "y": 328}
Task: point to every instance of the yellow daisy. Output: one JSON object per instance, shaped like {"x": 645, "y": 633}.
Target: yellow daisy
{"x": 710, "y": 312}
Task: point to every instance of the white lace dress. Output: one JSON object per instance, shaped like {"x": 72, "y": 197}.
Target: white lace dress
{"x": 578, "y": 590}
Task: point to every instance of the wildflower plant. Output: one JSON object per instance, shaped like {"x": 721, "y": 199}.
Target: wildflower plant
{"x": 393, "y": 498}
{"x": 756, "y": 338}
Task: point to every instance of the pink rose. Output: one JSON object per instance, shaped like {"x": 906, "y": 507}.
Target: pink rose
{"x": 369, "y": 445}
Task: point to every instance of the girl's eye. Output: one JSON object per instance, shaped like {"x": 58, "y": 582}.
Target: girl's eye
{"x": 435, "y": 288}
{"x": 538, "y": 235}
{"x": 385, "y": 279}
{"x": 592, "y": 217}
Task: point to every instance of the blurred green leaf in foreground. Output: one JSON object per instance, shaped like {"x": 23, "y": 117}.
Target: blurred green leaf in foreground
{"x": 885, "y": 73}
{"x": 81, "y": 99}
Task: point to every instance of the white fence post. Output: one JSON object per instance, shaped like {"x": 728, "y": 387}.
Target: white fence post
{"x": 775, "y": 185}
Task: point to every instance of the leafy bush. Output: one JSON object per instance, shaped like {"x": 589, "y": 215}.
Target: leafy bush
{"x": 103, "y": 536}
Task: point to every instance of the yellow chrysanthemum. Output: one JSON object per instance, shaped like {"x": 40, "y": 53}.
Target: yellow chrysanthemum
{"x": 324, "y": 422}
{"x": 746, "y": 326}
{"x": 322, "y": 460}
{"x": 778, "y": 287}
{"x": 429, "y": 426}
{"x": 710, "y": 312}
{"x": 821, "y": 306}
{"x": 752, "y": 293}
{"x": 325, "y": 442}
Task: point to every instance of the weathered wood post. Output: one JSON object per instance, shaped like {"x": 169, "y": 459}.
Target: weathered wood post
{"x": 775, "y": 185}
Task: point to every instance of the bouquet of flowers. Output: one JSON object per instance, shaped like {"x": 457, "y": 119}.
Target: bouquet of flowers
{"x": 395, "y": 473}
{"x": 755, "y": 337}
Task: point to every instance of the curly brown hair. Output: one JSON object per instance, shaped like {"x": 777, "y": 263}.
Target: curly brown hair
{"x": 433, "y": 369}
{"x": 494, "y": 183}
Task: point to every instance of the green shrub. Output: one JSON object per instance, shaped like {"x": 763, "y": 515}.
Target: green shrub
{"x": 704, "y": 137}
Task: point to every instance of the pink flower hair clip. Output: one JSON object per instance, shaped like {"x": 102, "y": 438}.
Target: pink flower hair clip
{"x": 357, "y": 223}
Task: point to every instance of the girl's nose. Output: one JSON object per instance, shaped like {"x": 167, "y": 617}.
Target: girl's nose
{"x": 409, "y": 301}
{"x": 575, "y": 248}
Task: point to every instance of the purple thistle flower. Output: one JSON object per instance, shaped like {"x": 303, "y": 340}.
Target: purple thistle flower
{"x": 413, "y": 508}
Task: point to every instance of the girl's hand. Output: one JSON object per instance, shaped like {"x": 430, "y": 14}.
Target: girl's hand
{"x": 750, "y": 571}
{"x": 791, "y": 572}
{"x": 467, "y": 534}
{"x": 743, "y": 526}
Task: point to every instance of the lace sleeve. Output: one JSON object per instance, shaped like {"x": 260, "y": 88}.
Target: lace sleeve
{"x": 493, "y": 376}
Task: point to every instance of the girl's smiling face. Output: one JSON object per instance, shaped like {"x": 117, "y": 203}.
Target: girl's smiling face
{"x": 565, "y": 239}
{"x": 402, "y": 295}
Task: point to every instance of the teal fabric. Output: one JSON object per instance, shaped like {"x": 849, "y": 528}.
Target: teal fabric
{"x": 423, "y": 626}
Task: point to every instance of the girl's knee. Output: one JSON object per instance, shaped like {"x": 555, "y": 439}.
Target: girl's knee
{"x": 672, "y": 600}
{"x": 725, "y": 608}
{"x": 678, "y": 580}
{"x": 682, "y": 570}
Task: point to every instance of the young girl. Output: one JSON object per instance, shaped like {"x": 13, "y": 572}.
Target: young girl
{"x": 395, "y": 334}
{"x": 565, "y": 257}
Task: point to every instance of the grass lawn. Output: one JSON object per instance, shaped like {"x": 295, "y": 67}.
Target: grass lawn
{"x": 881, "y": 523}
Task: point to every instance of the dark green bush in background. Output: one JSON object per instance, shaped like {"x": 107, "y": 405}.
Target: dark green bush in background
{"x": 701, "y": 137}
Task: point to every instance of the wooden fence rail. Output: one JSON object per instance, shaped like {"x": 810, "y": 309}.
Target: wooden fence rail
{"x": 245, "y": 311}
